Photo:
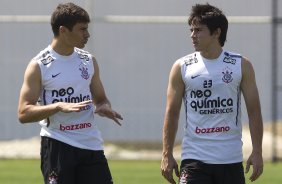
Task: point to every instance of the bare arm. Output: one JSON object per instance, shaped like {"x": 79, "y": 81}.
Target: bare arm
{"x": 103, "y": 105}
{"x": 28, "y": 109}
{"x": 251, "y": 96}
{"x": 174, "y": 99}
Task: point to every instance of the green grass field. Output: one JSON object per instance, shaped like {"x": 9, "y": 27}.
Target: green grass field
{"x": 124, "y": 172}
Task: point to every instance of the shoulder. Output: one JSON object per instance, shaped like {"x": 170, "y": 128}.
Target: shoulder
{"x": 248, "y": 72}
{"x": 33, "y": 70}
{"x": 246, "y": 61}
{"x": 246, "y": 65}
{"x": 87, "y": 56}
{"x": 83, "y": 54}
{"x": 231, "y": 57}
{"x": 180, "y": 65}
{"x": 81, "y": 51}
{"x": 188, "y": 59}
{"x": 44, "y": 57}
{"x": 232, "y": 54}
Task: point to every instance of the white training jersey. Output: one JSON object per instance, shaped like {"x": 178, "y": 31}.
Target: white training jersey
{"x": 212, "y": 101}
{"x": 67, "y": 79}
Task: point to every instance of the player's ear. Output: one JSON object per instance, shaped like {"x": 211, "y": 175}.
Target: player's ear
{"x": 217, "y": 33}
{"x": 62, "y": 30}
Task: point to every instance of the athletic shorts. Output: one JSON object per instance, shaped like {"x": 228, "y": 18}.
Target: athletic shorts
{"x": 197, "y": 172}
{"x": 65, "y": 164}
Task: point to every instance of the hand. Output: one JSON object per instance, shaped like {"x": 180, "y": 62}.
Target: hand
{"x": 169, "y": 164}
{"x": 256, "y": 160}
{"x": 105, "y": 110}
{"x": 72, "y": 107}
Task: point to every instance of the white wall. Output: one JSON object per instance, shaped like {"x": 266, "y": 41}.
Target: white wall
{"x": 134, "y": 59}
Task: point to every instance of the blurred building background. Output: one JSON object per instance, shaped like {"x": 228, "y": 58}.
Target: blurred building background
{"x": 134, "y": 57}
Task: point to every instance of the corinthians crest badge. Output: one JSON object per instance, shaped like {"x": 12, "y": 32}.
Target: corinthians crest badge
{"x": 227, "y": 75}
{"x": 84, "y": 72}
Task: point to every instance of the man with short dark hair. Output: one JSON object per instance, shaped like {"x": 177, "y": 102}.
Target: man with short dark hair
{"x": 61, "y": 88}
{"x": 210, "y": 82}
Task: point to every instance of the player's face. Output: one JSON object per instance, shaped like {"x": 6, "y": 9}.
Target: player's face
{"x": 78, "y": 36}
{"x": 202, "y": 40}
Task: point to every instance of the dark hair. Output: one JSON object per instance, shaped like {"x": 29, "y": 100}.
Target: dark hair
{"x": 210, "y": 16}
{"x": 68, "y": 15}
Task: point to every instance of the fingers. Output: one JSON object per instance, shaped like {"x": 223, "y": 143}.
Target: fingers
{"x": 86, "y": 102}
{"x": 257, "y": 171}
{"x": 81, "y": 106}
{"x": 72, "y": 107}
{"x": 167, "y": 174}
{"x": 116, "y": 120}
{"x": 116, "y": 116}
{"x": 109, "y": 113}
{"x": 247, "y": 167}
{"x": 176, "y": 170}
{"x": 257, "y": 168}
{"x": 167, "y": 167}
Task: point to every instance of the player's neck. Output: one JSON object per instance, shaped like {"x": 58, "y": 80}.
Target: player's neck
{"x": 212, "y": 53}
{"x": 61, "y": 48}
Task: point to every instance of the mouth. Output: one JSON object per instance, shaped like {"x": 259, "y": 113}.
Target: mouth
{"x": 85, "y": 40}
{"x": 194, "y": 43}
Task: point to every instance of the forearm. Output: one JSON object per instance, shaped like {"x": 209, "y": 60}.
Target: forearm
{"x": 169, "y": 134}
{"x": 175, "y": 93}
{"x": 35, "y": 113}
{"x": 256, "y": 130}
{"x": 103, "y": 102}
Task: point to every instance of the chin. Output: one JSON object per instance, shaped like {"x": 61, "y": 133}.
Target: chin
{"x": 80, "y": 46}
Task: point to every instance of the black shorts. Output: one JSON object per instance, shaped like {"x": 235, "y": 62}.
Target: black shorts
{"x": 65, "y": 164}
{"x": 197, "y": 172}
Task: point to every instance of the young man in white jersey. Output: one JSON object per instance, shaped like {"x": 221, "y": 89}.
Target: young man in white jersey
{"x": 210, "y": 82}
{"x": 62, "y": 89}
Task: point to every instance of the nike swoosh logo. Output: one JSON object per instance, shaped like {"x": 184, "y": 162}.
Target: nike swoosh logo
{"x": 53, "y": 76}
{"x": 195, "y": 76}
